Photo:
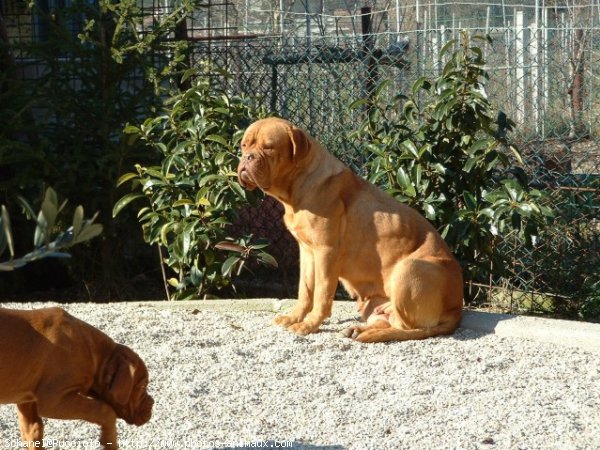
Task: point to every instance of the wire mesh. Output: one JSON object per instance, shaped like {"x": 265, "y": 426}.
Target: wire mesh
{"x": 307, "y": 60}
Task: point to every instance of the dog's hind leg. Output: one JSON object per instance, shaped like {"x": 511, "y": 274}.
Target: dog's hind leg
{"x": 425, "y": 302}
{"x": 356, "y": 331}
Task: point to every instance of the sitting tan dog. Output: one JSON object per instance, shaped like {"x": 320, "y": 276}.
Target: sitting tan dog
{"x": 54, "y": 365}
{"x": 388, "y": 257}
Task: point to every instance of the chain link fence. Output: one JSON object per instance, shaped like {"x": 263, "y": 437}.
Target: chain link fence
{"x": 308, "y": 60}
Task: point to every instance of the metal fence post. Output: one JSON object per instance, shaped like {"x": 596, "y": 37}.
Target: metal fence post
{"x": 368, "y": 50}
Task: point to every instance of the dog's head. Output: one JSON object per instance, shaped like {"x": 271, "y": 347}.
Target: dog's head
{"x": 123, "y": 384}
{"x": 271, "y": 148}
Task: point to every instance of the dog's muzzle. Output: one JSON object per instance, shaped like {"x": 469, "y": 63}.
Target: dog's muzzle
{"x": 245, "y": 180}
{"x": 244, "y": 176}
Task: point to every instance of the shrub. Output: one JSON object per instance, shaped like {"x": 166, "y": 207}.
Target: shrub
{"x": 97, "y": 70}
{"x": 441, "y": 151}
{"x": 49, "y": 240}
{"x": 194, "y": 193}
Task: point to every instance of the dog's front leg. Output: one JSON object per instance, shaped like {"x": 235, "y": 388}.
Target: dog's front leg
{"x": 306, "y": 290}
{"x": 74, "y": 406}
{"x": 326, "y": 272}
{"x": 31, "y": 425}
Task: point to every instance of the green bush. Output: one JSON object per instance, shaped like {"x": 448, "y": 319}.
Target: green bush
{"x": 441, "y": 151}
{"x": 64, "y": 127}
{"x": 49, "y": 240}
{"x": 567, "y": 257}
{"x": 193, "y": 195}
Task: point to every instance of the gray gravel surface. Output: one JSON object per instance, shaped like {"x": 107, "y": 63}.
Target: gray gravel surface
{"x": 229, "y": 379}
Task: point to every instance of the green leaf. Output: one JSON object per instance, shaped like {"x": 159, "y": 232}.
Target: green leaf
{"x": 516, "y": 153}
{"x": 196, "y": 275}
{"x": 514, "y": 189}
{"x": 6, "y": 266}
{"x": 382, "y": 86}
{"x": 525, "y": 209}
{"x": 359, "y": 103}
{"x": 41, "y": 230}
{"x": 77, "y": 220}
{"x": 218, "y": 139}
{"x": 126, "y": 177}
{"x": 488, "y": 212}
{"x": 3, "y": 241}
{"x": 470, "y": 201}
{"x": 471, "y": 162}
{"x": 124, "y": 201}
{"x": 411, "y": 147}
{"x": 267, "y": 259}
{"x": 189, "y": 73}
{"x": 202, "y": 201}
{"x": 439, "y": 168}
{"x": 228, "y": 265}
{"x": 446, "y": 48}
{"x": 88, "y": 232}
{"x": 50, "y": 208}
{"x": 405, "y": 182}
{"x": 237, "y": 189}
{"x": 29, "y": 212}
{"x": 7, "y": 231}
{"x": 164, "y": 231}
{"x": 478, "y": 145}
{"x": 56, "y": 255}
{"x": 182, "y": 202}
{"x": 429, "y": 211}
{"x": 421, "y": 83}
{"x": 131, "y": 129}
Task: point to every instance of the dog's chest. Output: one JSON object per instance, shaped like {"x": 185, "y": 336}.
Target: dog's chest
{"x": 295, "y": 227}
{"x": 314, "y": 229}
{"x": 300, "y": 226}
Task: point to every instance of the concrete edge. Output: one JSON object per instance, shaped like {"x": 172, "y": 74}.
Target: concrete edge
{"x": 582, "y": 335}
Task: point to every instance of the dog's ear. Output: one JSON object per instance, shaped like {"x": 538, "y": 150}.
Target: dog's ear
{"x": 300, "y": 143}
{"x": 118, "y": 377}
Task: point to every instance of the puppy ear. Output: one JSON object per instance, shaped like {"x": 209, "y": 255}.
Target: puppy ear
{"x": 300, "y": 143}
{"x": 118, "y": 377}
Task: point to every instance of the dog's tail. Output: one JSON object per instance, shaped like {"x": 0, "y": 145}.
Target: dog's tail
{"x": 394, "y": 334}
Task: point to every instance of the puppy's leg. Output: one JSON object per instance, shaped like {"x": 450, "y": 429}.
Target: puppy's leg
{"x": 305, "y": 290}
{"x": 74, "y": 406}
{"x": 30, "y": 423}
{"x": 326, "y": 275}
{"x": 426, "y": 301}
{"x": 375, "y": 323}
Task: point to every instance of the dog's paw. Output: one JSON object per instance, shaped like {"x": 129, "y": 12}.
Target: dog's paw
{"x": 285, "y": 320}
{"x": 304, "y": 328}
{"x": 352, "y": 332}
{"x": 358, "y": 334}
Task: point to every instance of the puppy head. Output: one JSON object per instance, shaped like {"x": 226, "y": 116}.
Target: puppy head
{"x": 124, "y": 384}
{"x": 271, "y": 148}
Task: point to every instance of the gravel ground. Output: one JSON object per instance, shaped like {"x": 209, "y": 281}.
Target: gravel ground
{"x": 229, "y": 380}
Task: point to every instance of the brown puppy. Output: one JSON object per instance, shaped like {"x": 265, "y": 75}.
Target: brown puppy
{"x": 388, "y": 257}
{"x": 54, "y": 365}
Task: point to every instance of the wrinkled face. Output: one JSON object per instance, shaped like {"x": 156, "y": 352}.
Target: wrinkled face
{"x": 270, "y": 149}
{"x": 124, "y": 385}
{"x": 138, "y": 408}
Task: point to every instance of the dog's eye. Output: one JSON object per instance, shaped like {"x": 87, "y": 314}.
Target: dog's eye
{"x": 249, "y": 157}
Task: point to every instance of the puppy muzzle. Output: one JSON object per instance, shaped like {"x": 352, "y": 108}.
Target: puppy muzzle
{"x": 140, "y": 415}
{"x": 244, "y": 176}
{"x": 246, "y": 181}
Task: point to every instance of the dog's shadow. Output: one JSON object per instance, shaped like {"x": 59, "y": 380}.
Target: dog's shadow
{"x": 285, "y": 444}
